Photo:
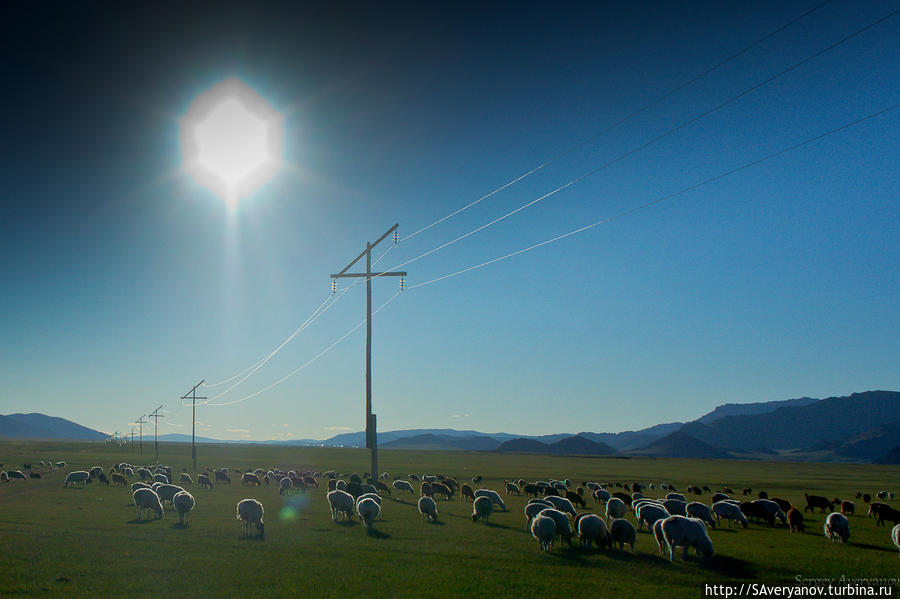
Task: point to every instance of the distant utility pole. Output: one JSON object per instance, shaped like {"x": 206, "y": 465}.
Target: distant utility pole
{"x": 156, "y": 416}
{"x": 141, "y": 424}
{"x": 193, "y": 396}
{"x": 132, "y": 438}
{"x": 371, "y": 435}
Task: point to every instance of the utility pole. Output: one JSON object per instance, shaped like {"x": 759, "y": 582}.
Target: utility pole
{"x": 371, "y": 435}
{"x": 193, "y": 396}
{"x": 141, "y": 424}
{"x": 132, "y": 438}
{"x": 156, "y": 416}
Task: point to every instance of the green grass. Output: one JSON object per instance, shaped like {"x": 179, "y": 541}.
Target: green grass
{"x": 87, "y": 542}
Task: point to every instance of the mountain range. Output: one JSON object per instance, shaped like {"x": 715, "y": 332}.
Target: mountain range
{"x": 862, "y": 427}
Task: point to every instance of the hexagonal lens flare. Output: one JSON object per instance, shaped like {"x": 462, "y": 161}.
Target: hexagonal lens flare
{"x": 231, "y": 140}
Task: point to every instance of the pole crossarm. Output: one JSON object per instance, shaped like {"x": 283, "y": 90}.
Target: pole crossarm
{"x": 398, "y": 273}
{"x": 193, "y": 396}
{"x": 366, "y": 251}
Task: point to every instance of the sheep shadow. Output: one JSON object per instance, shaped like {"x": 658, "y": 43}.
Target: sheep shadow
{"x": 729, "y": 566}
{"x": 346, "y": 523}
{"x": 437, "y": 523}
{"x": 377, "y": 534}
{"x": 179, "y": 526}
{"x": 256, "y": 538}
{"x": 137, "y": 521}
{"x": 495, "y": 525}
{"x": 868, "y": 546}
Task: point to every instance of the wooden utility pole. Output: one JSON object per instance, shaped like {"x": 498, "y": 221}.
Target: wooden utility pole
{"x": 141, "y": 433}
{"x": 193, "y": 396}
{"x": 156, "y": 416}
{"x": 371, "y": 435}
{"x": 132, "y": 438}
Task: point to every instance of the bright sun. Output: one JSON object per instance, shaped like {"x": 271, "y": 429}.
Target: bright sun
{"x": 231, "y": 140}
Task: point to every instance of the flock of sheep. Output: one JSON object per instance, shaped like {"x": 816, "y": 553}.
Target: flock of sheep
{"x": 550, "y": 513}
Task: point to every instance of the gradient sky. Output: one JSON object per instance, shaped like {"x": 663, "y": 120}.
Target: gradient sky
{"x": 124, "y": 282}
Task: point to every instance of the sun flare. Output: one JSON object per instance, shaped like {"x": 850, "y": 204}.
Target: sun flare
{"x": 231, "y": 140}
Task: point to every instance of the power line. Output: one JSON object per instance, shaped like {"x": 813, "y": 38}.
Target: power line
{"x": 663, "y": 198}
{"x": 621, "y": 121}
{"x": 652, "y": 141}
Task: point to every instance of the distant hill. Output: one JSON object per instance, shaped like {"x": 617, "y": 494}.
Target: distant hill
{"x": 794, "y": 427}
{"x": 751, "y": 409}
{"x": 39, "y": 426}
{"x": 429, "y": 441}
{"x": 572, "y": 445}
{"x": 891, "y": 457}
{"x": 868, "y": 445}
{"x": 680, "y": 445}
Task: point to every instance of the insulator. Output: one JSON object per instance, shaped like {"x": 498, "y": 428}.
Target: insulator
{"x": 396, "y": 237}
{"x": 333, "y": 287}
{"x": 402, "y": 283}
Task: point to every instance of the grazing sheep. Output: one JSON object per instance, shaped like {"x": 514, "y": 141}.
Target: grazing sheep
{"x": 543, "y": 528}
{"x": 622, "y": 532}
{"x": 677, "y": 496}
{"x": 717, "y": 497}
{"x": 79, "y": 476}
{"x": 204, "y": 481}
{"x": 795, "y": 520}
{"x": 60, "y": 465}
{"x": 847, "y": 508}
{"x": 167, "y": 492}
{"x": 729, "y": 511}
{"x": 146, "y": 498}
{"x": 533, "y": 509}
{"x": 414, "y": 477}
{"x": 286, "y": 485}
{"x": 183, "y": 502}
{"x": 186, "y": 478}
{"x": 874, "y": 508}
{"x": 562, "y": 504}
{"x": 4, "y": 477}
{"x": 700, "y": 511}
{"x": 512, "y": 488}
{"x": 675, "y": 507}
{"x": 136, "y": 486}
{"x": 660, "y": 537}
{"x": 222, "y": 477}
{"x": 482, "y": 508}
{"x": 144, "y": 474}
{"x": 816, "y": 501}
{"x": 341, "y": 502}
{"x": 650, "y": 513}
{"x": 592, "y": 529}
{"x": 428, "y": 508}
{"x": 381, "y": 487}
{"x": 784, "y": 504}
{"x": 96, "y": 471}
{"x": 494, "y": 497}
{"x": 466, "y": 492}
{"x": 623, "y": 497}
{"x": 118, "y": 479}
{"x": 895, "y": 536}
{"x": 442, "y": 490}
{"x": 16, "y": 474}
{"x": 615, "y": 508}
{"x": 563, "y": 529}
{"x": 250, "y": 479}
{"x": 402, "y": 485}
{"x": 837, "y": 527}
{"x": 888, "y": 513}
{"x": 102, "y": 478}
{"x": 250, "y": 513}
{"x": 161, "y": 478}
{"x": 686, "y": 532}
{"x": 772, "y": 509}
{"x": 636, "y": 495}
{"x": 529, "y": 489}
{"x": 601, "y": 495}
{"x": 368, "y": 510}
{"x": 575, "y": 498}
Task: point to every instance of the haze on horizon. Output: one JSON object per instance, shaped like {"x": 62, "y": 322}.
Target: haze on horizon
{"x": 125, "y": 282}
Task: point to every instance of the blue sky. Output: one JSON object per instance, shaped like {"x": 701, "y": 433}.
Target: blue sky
{"x": 124, "y": 282}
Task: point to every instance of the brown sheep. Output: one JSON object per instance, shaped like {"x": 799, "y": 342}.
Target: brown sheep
{"x": 847, "y": 508}
{"x": 204, "y": 481}
{"x": 118, "y": 479}
{"x": 309, "y": 481}
{"x": 466, "y": 493}
{"x": 441, "y": 489}
{"x": 888, "y": 513}
{"x": 816, "y": 501}
{"x": 426, "y": 489}
{"x": 795, "y": 520}
{"x": 575, "y": 498}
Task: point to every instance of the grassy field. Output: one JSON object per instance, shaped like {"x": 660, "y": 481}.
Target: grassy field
{"x": 88, "y": 542}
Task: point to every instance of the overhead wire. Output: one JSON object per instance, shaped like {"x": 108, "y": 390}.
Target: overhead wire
{"x": 663, "y": 198}
{"x": 621, "y": 121}
{"x": 308, "y": 362}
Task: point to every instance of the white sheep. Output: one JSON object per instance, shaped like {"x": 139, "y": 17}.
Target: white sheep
{"x": 687, "y": 532}
{"x": 615, "y": 508}
{"x": 895, "y": 536}
{"x": 340, "y": 485}
{"x": 698, "y": 510}
{"x": 650, "y": 513}
{"x": 660, "y": 537}
{"x": 167, "y": 492}
{"x": 494, "y": 497}
{"x": 533, "y": 509}
{"x": 837, "y": 527}
{"x": 601, "y": 495}
{"x": 543, "y": 528}
{"x": 592, "y": 485}
{"x": 341, "y": 502}
{"x": 621, "y": 531}
{"x": 79, "y": 476}
{"x": 146, "y": 498}
{"x": 773, "y": 509}
{"x": 402, "y": 485}
{"x": 374, "y": 496}
{"x": 592, "y": 529}
{"x": 482, "y": 508}
{"x": 677, "y": 496}
{"x": 676, "y": 507}
{"x": 427, "y": 508}
{"x": 562, "y": 504}
{"x": 183, "y": 503}
{"x": 286, "y": 485}
{"x": 161, "y": 478}
{"x": 563, "y": 529}
{"x": 729, "y": 511}
{"x": 136, "y": 486}
{"x": 368, "y": 510}
{"x": 186, "y": 478}
{"x": 250, "y": 513}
